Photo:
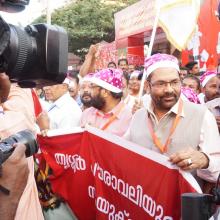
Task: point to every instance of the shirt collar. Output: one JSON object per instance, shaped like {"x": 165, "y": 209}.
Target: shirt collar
{"x": 174, "y": 109}
{"x": 62, "y": 100}
{"x": 114, "y": 111}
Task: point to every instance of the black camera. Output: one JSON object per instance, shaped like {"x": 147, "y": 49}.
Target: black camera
{"x": 197, "y": 206}
{"x": 36, "y": 52}
{"x": 13, "y": 6}
{"x": 25, "y": 137}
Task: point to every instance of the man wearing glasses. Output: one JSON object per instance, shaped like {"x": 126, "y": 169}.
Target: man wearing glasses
{"x": 187, "y": 133}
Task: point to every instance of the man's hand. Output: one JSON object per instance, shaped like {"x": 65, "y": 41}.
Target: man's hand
{"x": 93, "y": 50}
{"x": 4, "y": 87}
{"x": 190, "y": 159}
{"x": 43, "y": 121}
{"x": 89, "y": 64}
{"x": 137, "y": 105}
{"x": 14, "y": 178}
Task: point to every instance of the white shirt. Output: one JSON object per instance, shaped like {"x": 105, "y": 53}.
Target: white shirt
{"x": 130, "y": 100}
{"x": 201, "y": 97}
{"x": 209, "y": 142}
{"x": 64, "y": 113}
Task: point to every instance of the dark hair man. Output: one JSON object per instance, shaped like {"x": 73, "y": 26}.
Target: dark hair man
{"x": 193, "y": 67}
{"x": 183, "y": 72}
{"x": 174, "y": 127}
{"x": 131, "y": 68}
{"x": 123, "y": 64}
{"x": 112, "y": 65}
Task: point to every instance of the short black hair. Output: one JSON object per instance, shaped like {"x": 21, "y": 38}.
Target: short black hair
{"x": 183, "y": 68}
{"x": 190, "y": 76}
{"x": 191, "y": 64}
{"x": 117, "y": 95}
{"x": 74, "y": 74}
{"x": 122, "y": 59}
{"x": 112, "y": 63}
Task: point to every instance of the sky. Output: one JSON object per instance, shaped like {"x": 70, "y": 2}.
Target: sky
{"x": 32, "y": 11}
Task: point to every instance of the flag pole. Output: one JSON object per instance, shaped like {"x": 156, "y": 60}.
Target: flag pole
{"x": 48, "y": 9}
{"x": 150, "y": 48}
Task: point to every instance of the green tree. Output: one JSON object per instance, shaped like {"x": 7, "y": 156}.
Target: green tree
{"x": 87, "y": 22}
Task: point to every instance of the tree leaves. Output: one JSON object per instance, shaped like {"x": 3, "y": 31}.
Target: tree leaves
{"x": 87, "y": 22}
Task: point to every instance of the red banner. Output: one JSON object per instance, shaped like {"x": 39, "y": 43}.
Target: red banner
{"x": 102, "y": 176}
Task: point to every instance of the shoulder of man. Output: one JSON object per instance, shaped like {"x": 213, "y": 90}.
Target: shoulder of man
{"x": 190, "y": 106}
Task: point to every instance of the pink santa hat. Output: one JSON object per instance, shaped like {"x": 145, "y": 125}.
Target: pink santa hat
{"x": 160, "y": 60}
{"x": 109, "y": 79}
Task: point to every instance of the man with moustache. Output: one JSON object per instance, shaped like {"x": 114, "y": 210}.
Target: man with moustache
{"x": 210, "y": 86}
{"x": 193, "y": 67}
{"x": 108, "y": 111}
{"x": 174, "y": 127}
{"x": 211, "y": 93}
{"x": 123, "y": 65}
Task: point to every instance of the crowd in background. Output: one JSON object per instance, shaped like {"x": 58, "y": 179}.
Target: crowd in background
{"x": 110, "y": 99}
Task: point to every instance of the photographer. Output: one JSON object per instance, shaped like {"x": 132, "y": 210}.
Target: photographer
{"x": 17, "y": 114}
{"x": 14, "y": 176}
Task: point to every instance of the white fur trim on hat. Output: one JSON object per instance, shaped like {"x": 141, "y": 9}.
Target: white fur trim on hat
{"x": 161, "y": 64}
{"x": 104, "y": 84}
{"x": 207, "y": 78}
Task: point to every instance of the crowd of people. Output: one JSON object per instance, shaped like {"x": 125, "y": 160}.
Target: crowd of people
{"x": 177, "y": 114}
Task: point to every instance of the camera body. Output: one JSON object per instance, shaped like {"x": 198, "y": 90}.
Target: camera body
{"x": 25, "y": 137}
{"x": 13, "y": 6}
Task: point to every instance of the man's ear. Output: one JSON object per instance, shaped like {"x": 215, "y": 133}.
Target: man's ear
{"x": 147, "y": 85}
{"x": 64, "y": 86}
{"x": 105, "y": 93}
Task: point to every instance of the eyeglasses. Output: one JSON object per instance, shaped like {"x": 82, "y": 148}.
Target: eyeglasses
{"x": 163, "y": 84}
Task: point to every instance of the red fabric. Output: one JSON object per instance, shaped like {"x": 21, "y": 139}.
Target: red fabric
{"x": 89, "y": 187}
{"x": 37, "y": 105}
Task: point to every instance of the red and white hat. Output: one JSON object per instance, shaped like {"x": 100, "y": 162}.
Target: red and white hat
{"x": 109, "y": 79}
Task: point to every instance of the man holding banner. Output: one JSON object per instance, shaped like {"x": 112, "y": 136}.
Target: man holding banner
{"x": 186, "y": 132}
{"x": 108, "y": 111}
